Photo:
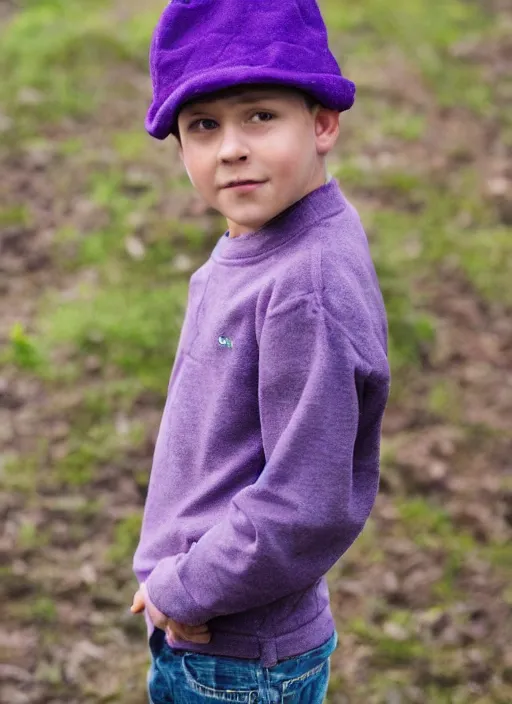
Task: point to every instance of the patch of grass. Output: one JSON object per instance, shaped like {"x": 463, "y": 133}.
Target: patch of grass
{"x": 71, "y": 146}
{"x": 25, "y": 473}
{"x": 485, "y": 256}
{"x": 432, "y": 529}
{"x": 131, "y": 145}
{"x": 126, "y": 537}
{"x": 15, "y": 215}
{"x": 98, "y": 405}
{"x": 425, "y": 35}
{"x": 371, "y": 179}
{"x": 44, "y": 610}
{"x": 50, "y": 673}
{"x": 135, "y": 32}
{"x": 100, "y": 444}
{"x": 393, "y": 236}
{"x": 85, "y": 453}
{"x": 401, "y": 182}
{"x": 411, "y": 331}
{"x": 389, "y": 650}
{"x": 129, "y": 201}
{"x": 351, "y": 173}
{"x": 499, "y": 554}
{"x": 455, "y": 225}
{"x": 445, "y": 402}
{"x": 194, "y": 236}
{"x": 65, "y": 235}
{"x": 136, "y": 329}
{"x": 97, "y": 247}
{"x": 40, "y": 609}
{"x": 445, "y": 589}
{"x": 428, "y": 524}
{"x": 51, "y": 49}
{"x": 93, "y": 440}
{"x": 24, "y": 351}
{"x": 402, "y": 124}
{"x": 507, "y": 595}
{"x": 53, "y": 54}
{"x": 31, "y": 537}
{"x": 120, "y": 197}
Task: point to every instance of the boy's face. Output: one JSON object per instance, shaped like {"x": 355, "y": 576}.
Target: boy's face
{"x": 260, "y": 133}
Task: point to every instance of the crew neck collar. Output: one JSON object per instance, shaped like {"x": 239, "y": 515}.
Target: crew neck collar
{"x": 324, "y": 201}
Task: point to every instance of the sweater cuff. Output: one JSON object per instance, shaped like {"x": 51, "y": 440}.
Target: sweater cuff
{"x": 166, "y": 591}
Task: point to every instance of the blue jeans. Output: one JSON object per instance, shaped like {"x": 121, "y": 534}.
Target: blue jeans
{"x": 185, "y": 677}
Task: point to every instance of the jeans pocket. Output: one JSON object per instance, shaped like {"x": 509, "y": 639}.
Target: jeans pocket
{"x": 215, "y": 677}
{"x": 310, "y": 687}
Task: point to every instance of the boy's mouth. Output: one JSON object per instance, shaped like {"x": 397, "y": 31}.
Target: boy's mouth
{"x": 246, "y": 182}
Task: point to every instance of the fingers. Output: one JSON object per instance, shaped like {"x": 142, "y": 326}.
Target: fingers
{"x": 196, "y": 634}
{"x": 192, "y": 630}
{"x": 200, "y": 638}
{"x": 193, "y": 634}
{"x": 206, "y": 638}
{"x": 138, "y": 603}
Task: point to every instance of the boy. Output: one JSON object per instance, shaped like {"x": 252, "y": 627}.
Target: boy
{"x": 266, "y": 465}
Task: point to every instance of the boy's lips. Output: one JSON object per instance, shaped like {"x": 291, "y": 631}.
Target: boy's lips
{"x": 242, "y": 182}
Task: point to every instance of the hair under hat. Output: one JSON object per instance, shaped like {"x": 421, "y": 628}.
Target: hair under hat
{"x": 202, "y": 46}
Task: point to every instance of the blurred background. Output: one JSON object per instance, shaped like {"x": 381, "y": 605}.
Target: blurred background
{"x": 100, "y": 230}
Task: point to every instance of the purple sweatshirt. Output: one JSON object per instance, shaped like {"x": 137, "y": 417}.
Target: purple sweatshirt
{"x": 266, "y": 465}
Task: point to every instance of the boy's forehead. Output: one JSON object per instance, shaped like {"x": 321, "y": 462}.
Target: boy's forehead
{"x": 238, "y": 95}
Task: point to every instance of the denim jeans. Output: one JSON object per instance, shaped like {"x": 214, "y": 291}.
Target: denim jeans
{"x": 184, "y": 677}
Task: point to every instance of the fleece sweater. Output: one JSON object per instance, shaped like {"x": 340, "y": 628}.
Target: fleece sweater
{"x": 266, "y": 465}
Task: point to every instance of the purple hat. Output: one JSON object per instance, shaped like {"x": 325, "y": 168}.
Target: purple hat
{"x": 202, "y": 46}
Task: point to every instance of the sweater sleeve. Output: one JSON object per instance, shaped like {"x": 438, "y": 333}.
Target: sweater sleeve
{"x": 280, "y": 534}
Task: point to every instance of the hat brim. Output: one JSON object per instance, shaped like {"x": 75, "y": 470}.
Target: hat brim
{"x": 332, "y": 91}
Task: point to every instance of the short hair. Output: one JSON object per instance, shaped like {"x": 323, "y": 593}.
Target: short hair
{"x": 309, "y": 101}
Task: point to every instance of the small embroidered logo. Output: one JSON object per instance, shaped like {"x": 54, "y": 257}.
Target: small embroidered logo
{"x": 225, "y": 341}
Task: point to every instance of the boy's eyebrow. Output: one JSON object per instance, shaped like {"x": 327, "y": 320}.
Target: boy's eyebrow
{"x": 244, "y": 99}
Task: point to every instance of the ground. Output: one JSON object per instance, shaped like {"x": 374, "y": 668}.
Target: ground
{"x": 99, "y": 232}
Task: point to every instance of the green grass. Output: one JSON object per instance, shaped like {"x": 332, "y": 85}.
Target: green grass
{"x": 399, "y": 646}
{"x": 131, "y": 145}
{"x": 485, "y": 256}
{"x": 23, "y": 351}
{"x": 90, "y": 444}
{"x": 135, "y": 329}
{"x": 433, "y": 531}
{"x": 41, "y": 610}
{"x": 53, "y": 54}
{"x": 26, "y": 472}
{"x": 31, "y": 537}
{"x": 126, "y": 537}
{"x": 424, "y": 34}
{"x": 401, "y": 124}
{"x": 444, "y": 401}
{"x": 15, "y": 215}
{"x": 90, "y": 448}
{"x": 431, "y": 526}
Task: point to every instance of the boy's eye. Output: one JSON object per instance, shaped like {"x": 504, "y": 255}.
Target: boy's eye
{"x": 206, "y": 119}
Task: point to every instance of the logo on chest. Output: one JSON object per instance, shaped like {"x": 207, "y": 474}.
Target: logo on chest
{"x": 225, "y": 341}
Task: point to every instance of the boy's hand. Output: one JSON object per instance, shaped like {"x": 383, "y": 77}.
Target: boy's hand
{"x": 195, "y": 634}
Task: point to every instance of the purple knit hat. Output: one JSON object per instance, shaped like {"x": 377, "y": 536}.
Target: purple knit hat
{"x": 202, "y": 46}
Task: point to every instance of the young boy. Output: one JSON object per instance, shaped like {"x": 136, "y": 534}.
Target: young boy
{"x": 266, "y": 465}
